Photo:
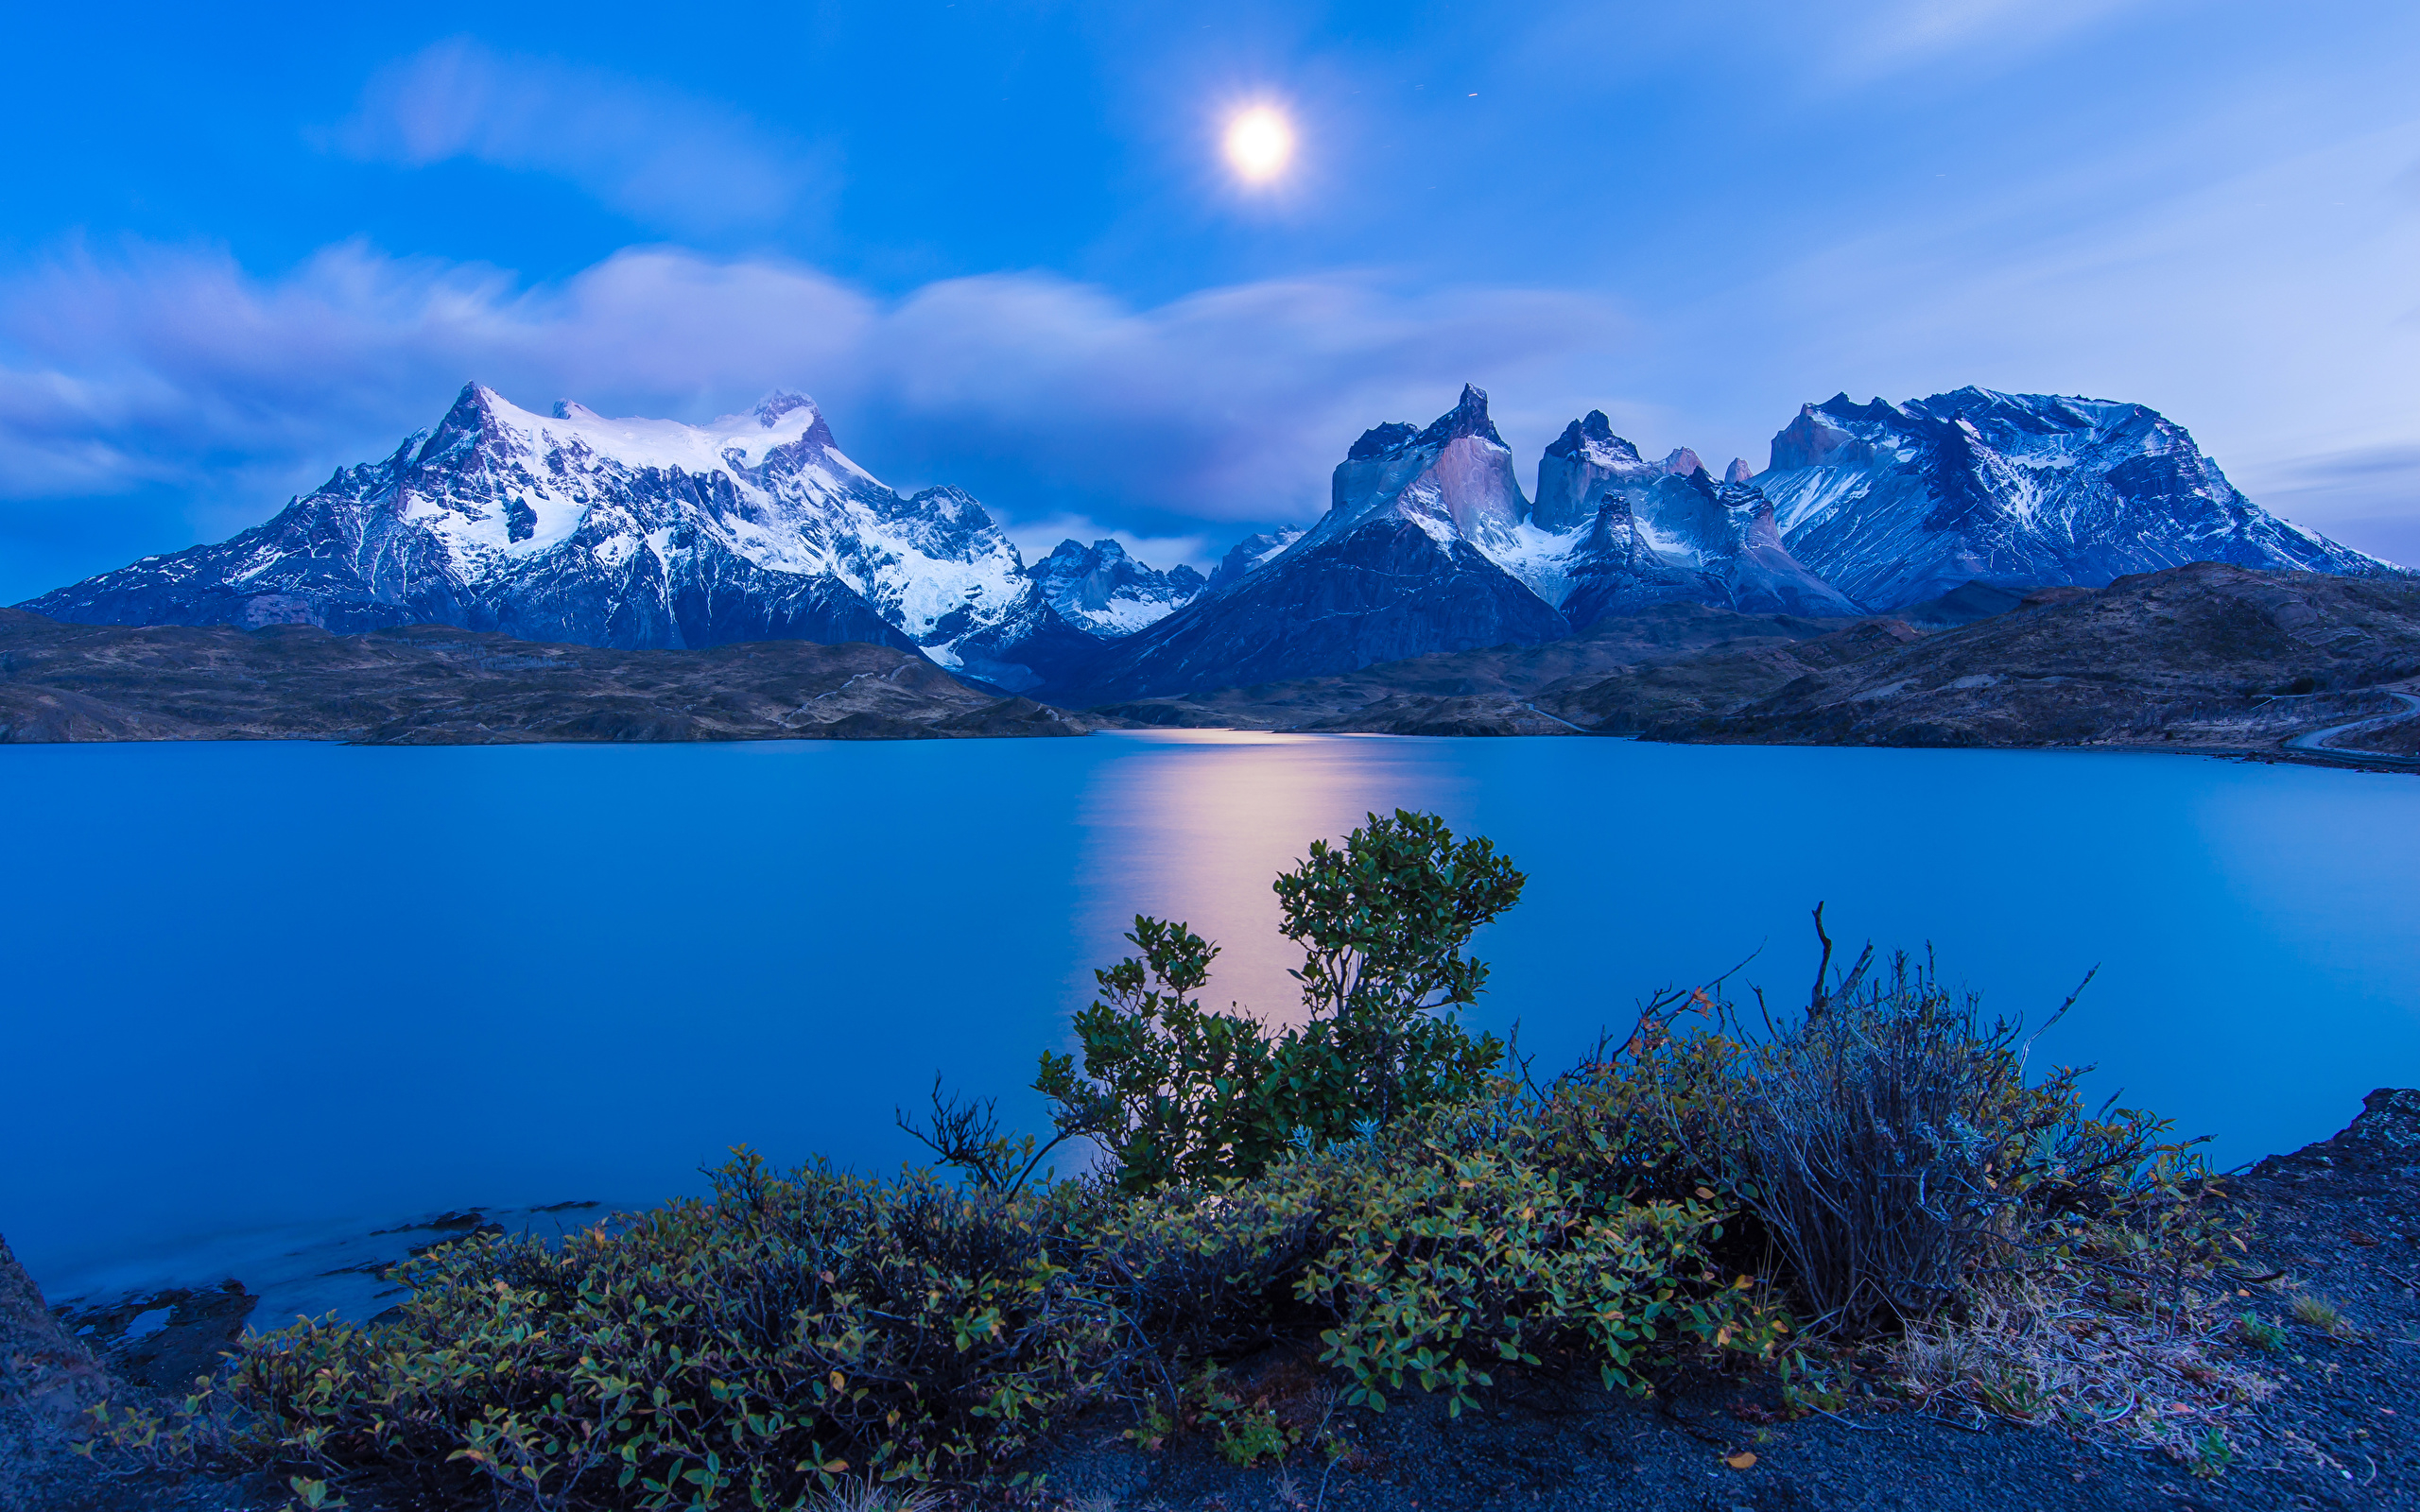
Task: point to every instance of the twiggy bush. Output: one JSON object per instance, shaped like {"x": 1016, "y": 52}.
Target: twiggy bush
{"x": 1888, "y": 1148}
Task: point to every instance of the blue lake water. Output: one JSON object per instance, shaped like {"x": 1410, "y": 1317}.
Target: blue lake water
{"x": 257, "y": 990}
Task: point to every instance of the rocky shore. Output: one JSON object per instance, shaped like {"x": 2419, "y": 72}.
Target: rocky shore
{"x": 2334, "y": 1268}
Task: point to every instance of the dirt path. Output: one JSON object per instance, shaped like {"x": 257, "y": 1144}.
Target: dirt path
{"x": 2317, "y": 739}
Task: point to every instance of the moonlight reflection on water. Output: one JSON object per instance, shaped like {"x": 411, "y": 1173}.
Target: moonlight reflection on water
{"x": 260, "y": 990}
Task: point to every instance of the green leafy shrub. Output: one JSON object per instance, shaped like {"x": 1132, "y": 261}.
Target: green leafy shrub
{"x": 803, "y": 1331}
{"x": 737, "y": 1351}
{"x": 1463, "y": 1245}
{"x": 1172, "y": 1094}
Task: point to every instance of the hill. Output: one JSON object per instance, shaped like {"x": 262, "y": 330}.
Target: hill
{"x": 438, "y": 685}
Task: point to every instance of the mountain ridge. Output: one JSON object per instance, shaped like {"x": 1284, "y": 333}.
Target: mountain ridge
{"x": 632, "y": 533}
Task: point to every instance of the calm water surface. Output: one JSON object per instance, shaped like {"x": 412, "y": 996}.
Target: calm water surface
{"x": 256, "y": 989}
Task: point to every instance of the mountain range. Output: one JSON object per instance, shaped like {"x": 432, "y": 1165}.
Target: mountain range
{"x": 573, "y": 527}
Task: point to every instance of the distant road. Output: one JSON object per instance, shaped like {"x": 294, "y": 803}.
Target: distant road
{"x": 2317, "y": 739}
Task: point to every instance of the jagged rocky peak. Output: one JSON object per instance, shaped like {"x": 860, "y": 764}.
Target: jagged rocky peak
{"x": 1252, "y": 553}
{"x": 1577, "y": 466}
{"x": 1380, "y": 440}
{"x": 1681, "y": 462}
{"x": 1616, "y": 570}
{"x": 1837, "y": 431}
{"x": 1898, "y": 504}
{"x": 1455, "y": 477}
{"x": 1102, "y": 589}
{"x": 1467, "y": 418}
{"x": 1738, "y": 472}
{"x": 771, "y": 409}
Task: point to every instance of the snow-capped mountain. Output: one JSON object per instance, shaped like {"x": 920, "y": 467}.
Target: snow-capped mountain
{"x": 640, "y": 533}
{"x": 1102, "y": 589}
{"x": 1428, "y": 544}
{"x": 628, "y": 533}
{"x": 1895, "y": 504}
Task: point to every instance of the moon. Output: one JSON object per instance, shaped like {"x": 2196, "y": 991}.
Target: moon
{"x": 1260, "y": 142}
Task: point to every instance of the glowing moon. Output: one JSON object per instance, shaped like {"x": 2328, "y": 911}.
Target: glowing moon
{"x": 1259, "y": 144}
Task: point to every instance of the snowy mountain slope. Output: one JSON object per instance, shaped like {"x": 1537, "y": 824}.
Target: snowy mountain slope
{"x": 1727, "y": 532}
{"x": 1102, "y": 589}
{"x": 1894, "y": 503}
{"x": 624, "y": 533}
{"x": 1250, "y": 552}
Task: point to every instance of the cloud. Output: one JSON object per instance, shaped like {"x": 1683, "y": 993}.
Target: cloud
{"x": 664, "y": 158}
{"x": 1046, "y": 397}
{"x": 1037, "y": 539}
{"x": 2002, "y": 33}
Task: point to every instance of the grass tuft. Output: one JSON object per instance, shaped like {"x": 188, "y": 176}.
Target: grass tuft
{"x": 2313, "y": 1311}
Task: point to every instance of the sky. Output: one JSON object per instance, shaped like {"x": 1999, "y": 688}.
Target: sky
{"x": 1002, "y": 248}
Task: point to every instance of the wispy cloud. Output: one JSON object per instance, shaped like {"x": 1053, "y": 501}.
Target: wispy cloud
{"x": 1892, "y": 38}
{"x": 664, "y": 158}
{"x": 1048, "y": 398}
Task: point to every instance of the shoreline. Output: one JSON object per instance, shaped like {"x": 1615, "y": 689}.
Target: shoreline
{"x": 2325, "y": 758}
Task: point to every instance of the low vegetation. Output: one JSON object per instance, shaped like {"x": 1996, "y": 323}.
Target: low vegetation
{"x": 1403, "y": 1205}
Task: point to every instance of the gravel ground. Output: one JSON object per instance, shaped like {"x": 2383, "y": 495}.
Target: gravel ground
{"x": 2340, "y": 1220}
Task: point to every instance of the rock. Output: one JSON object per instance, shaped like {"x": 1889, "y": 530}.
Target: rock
{"x": 2389, "y": 1121}
{"x": 44, "y": 1371}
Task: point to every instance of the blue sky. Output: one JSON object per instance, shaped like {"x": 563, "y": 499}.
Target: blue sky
{"x": 999, "y": 244}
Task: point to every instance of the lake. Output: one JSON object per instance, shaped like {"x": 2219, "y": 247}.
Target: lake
{"x": 258, "y": 993}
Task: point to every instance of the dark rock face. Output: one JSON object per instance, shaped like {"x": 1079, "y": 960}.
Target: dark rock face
{"x": 1578, "y": 465}
{"x": 1898, "y": 504}
{"x": 162, "y": 1340}
{"x": 1385, "y": 589}
{"x": 1725, "y": 533}
{"x": 1401, "y": 565}
{"x": 1615, "y": 572}
{"x": 2389, "y": 1123}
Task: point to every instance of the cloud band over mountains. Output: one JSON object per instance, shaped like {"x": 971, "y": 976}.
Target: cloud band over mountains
{"x": 161, "y": 366}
